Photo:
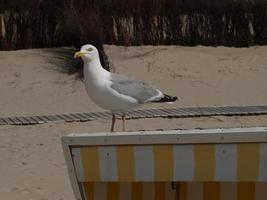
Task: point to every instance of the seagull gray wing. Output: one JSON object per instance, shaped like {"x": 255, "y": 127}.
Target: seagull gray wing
{"x": 136, "y": 89}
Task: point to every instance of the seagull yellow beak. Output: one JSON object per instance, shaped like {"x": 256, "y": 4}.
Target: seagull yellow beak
{"x": 78, "y": 54}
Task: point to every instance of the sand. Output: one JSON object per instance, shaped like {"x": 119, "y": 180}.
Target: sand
{"x": 31, "y": 160}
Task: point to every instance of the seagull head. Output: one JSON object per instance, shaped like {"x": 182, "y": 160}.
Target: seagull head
{"x": 87, "y": 52}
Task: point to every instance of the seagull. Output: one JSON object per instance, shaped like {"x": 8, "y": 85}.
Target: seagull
{"x": 114, "y": 92}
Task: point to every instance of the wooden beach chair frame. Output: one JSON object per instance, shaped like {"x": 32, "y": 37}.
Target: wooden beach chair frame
{"x": 171, "y": 137}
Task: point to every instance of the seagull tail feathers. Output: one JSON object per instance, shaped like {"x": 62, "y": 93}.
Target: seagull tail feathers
{"x": 166, "y": 98}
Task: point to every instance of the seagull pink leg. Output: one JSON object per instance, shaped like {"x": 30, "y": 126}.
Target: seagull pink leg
{"x": 113, "y": 123}
{"x": 123, "y": 122}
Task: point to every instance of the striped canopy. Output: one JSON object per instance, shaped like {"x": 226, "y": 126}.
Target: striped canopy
{"x": 200, "y": 162}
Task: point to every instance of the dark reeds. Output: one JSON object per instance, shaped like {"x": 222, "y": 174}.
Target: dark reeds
{"x": 35, "y": 23}
{"x": 51, "y": 23}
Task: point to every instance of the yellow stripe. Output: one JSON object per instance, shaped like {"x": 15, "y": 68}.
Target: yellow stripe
{"x": 204, "y": 159}
{"x": 113, "y": 191}
{"x": 159, "y": 191}
{"x": 181, "y": 191}
{"x": 89, "y": 156}
{"x": 228, "y": 190}
{"x": 125, "y": 163}
{"x": 148, "y": 190}
{"x": 211, "y": 191}
{"x": 89, "y": 190}
{"x": 137, "y": 191}
{"x": 170, "y": 190}
{"x": 246, "y": 191}
{"x": 163, "y": 162}
{"x": 247, "y": 162}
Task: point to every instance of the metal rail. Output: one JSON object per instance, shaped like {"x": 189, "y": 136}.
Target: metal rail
{"x": 137, "y": 114}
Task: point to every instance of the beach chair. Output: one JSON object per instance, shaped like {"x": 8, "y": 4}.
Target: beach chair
{"x": 196, "y": 164}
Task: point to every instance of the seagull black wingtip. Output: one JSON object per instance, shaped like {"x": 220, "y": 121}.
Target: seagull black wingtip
{"x": 166, "y": 98}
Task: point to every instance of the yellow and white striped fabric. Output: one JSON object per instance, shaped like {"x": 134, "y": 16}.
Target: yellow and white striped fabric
{"x": 175, "y": 191}
{"x": 244, "y": 162}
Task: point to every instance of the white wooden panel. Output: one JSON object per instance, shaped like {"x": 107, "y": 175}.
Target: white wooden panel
{"x": 183, "y": 156}
{"x": 144, "y": 163}
{"x": 263, "y": 162}
{"x": 108, "y": 163}
{"x": 225, "y": 167}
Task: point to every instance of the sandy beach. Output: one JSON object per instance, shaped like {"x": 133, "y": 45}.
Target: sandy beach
{"x": 31, "y": 83}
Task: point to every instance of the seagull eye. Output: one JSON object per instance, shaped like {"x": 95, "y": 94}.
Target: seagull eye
{"x": 89, "y": 49}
